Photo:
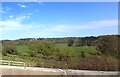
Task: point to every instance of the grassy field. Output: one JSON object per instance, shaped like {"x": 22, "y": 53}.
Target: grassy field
{"x": 52, "y": 54}
{"x": 23, "y": 49}
{"x": 63, "y": 56}
{"x": 24, "y": 52}
{"x": 88, "y": 50}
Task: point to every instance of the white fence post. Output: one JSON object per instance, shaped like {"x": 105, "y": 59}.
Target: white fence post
{"x": 10, "y": 63}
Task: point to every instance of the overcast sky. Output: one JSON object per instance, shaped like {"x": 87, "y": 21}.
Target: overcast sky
{"x": 57, "y": 19}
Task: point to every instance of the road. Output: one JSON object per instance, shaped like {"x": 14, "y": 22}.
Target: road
{"x": 15, "y": 70}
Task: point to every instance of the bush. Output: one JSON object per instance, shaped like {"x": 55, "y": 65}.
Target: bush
{"x": 83, "y": 54}
{"x": 62, "y": 54}
{"x": 78, "y": 42}
{"x": 107, "y": 45}
{"x": 9, "y": 47}
{"x": 70, "y": 42}
{"x": 99, "y": 63}
{"x": 41, "y": 49}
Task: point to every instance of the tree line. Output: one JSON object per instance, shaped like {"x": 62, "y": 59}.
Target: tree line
{"x": 45, "y": 49}
{"x": 105, "y": 44}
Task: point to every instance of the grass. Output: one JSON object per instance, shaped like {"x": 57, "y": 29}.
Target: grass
{"x": 24, "y": 56}
{"x": 88, "y": 50}
{"x": 90, "y": 62}
{"x": 23, "y": 50}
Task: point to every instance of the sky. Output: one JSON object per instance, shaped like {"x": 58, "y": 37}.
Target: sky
{"x": 57, "y": 19}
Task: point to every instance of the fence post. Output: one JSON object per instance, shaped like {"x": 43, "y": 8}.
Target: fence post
{"x": 9, "y": 63}
{"x": 24, "y": 65}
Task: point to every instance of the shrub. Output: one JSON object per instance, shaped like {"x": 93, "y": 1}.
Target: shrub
{"x": 70, "y": 42}
{"x": 83, "y": 54}
{"x": 98, "y": 63}
{"x": 107, "y": 45}
{"x": 41, "y": 49}
{"x": 78, "y": 42}
{"x": 9, "y": 47}
{"x": 60, "y": 55}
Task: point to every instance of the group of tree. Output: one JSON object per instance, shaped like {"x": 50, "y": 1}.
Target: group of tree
{"x": 48, "y": 50}
{"x": 9, "y": 47}
{"x": 81, "y": 41}
{"x": 107, "y": 44}
{"x": 106, "y": 57}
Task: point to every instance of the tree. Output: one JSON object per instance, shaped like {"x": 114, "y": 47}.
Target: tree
{"x": 9, "y": 47}
{"x": 40, "y": 49}
{"x": 107, "y": 45}
{"x": 78, "y": 42}
{"x": 70, "y": 42}
{"x": 83, "y": 54}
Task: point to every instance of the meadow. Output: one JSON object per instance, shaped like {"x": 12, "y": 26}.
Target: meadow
{"x": 24, "y": 51}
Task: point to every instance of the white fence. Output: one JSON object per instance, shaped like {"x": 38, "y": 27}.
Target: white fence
{"x": 12, "y": 63}
{"x": 7, "y": 65}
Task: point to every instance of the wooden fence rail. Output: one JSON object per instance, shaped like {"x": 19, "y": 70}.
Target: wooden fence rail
{"x": 12, "y": 63}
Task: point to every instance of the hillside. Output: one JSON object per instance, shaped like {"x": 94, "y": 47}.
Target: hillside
{"x": 83, "y": 53}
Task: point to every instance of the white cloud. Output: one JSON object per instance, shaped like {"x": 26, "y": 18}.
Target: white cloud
{"x": 6, "y": 26}
{"x": 16, "y": 24}
{"x": 9, "y": 25}
{"x": 8, "y": 8}
{"x": 47, "y": 29}
{"x": 13, "y": 24}
{"x": 29, "y": 13}
{"x": 21, "y": 5}
{"x": 85, "y": 26}
{"x": 11, "y": 16}
{"x": 12, "y": 28}
{"x": 40, "y": 2}
{"x": 2, "y": 11}
{"x": 20, "y": 18}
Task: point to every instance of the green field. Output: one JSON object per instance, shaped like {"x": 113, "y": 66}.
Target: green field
{"x": 88, "y": 50}
{"x": 24, "y": 52}
{"x": 51, "y": 54}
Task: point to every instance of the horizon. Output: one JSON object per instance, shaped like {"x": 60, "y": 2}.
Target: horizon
{"x": 57, "y": 19}
{"x": 60, "y": 37}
